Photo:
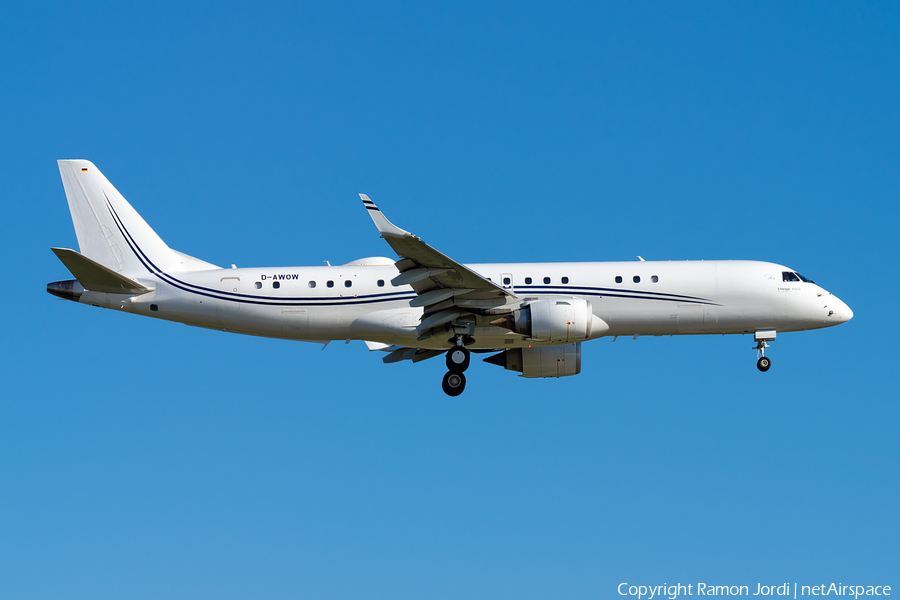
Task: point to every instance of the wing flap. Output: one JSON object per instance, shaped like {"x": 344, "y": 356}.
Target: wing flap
{"x": 437, "y": 296}
{"x": 378, "y": 346}
{"x": 413, "y": 354}
{"x": 416, "y": 275}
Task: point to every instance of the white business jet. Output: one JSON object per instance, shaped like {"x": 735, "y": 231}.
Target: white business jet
{"x": 532, "y": 317}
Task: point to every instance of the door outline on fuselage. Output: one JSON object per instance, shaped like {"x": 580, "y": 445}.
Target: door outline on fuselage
{"x": 294, "y": 322}
{"x": 232, "y": 285}
{"x": 690, "y": 318}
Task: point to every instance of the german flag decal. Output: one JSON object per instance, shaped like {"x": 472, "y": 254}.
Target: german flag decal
{"x": 84, "y": 170}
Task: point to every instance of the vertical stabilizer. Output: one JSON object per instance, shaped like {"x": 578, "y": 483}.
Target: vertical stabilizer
{"x": 109, "y": 230}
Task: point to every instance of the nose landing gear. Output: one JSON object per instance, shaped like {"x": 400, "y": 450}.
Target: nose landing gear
{"x": 457, "y": 361}
{"x": 763, "y": 363}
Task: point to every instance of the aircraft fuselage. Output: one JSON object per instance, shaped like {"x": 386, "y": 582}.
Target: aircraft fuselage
{"x": 653, "y": 298}
{"x": 533, "y": 315}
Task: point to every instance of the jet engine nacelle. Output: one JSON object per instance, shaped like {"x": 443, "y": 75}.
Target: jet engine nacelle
{"x": 546, "y": 361}
{"x": 562, "y": 320}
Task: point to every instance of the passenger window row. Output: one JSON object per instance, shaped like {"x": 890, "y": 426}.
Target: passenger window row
{"x": 787, "y": 276}
{"x": 312, "y": 283}
{"x": 546, "y": 280}
{"x": 637, "y": 279}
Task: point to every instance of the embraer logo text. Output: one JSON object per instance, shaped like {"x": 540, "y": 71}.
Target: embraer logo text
{"x": 279, "y": 276}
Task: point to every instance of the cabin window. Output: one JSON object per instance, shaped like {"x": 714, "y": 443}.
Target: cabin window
{"x": 381, "y": 283}
{"x": 618, "y": 279}
{"x": 546, "y": 280}
{"x": 258, "y": 285}
{"x": 154, "y": 307}
{"x": 636, "y": 279}
{"x": 789, "y": 276}
{"x": 276, "y": 284}
{"x": 329, "y": 283}
{"x": 654, "y": 279}
{"x": 348, "y": 283}
{"x": 506, "y": 281}
{"x": 565, "y": 280}
{"x": 528, "y": 281}
{"x": 311, "y": 284}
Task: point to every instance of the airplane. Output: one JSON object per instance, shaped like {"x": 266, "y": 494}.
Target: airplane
{"x": 530, "y": 317}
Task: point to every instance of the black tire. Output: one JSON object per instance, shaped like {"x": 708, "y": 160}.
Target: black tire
{"x": 458, "y": 359}
{"x": 764, "y": 363}
{"x": 453, "y": 383}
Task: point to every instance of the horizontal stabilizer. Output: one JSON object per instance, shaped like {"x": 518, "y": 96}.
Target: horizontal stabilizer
{"x": 95, "y": 277}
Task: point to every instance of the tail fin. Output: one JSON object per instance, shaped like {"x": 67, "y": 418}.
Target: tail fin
{"x": 110, "y": 231}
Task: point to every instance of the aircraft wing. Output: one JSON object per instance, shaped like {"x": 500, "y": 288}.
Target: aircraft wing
{"x": 446, "y": 289}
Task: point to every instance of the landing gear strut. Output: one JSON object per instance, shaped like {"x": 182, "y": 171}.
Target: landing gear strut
{"x": 457, "y": 361}
{"x": 763, "y": 363}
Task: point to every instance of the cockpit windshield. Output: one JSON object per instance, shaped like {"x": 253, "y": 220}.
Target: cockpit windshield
{"x": 792, "y": 276}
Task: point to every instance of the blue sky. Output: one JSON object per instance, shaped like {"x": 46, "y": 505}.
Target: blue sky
{"x": 146, "y": 459}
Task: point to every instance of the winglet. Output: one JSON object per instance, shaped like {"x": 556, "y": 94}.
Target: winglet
{"x": 385, "y": 227}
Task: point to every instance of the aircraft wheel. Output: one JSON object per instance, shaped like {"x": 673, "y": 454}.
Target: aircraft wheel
{"x": 457, "y": 359}
{"x": 454, "y": 383}
{"x": 764, "y": 363}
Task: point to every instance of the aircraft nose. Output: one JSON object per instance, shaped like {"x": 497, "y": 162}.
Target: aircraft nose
{"x": 842, "y": 312}
{"x": 846, "y": 313}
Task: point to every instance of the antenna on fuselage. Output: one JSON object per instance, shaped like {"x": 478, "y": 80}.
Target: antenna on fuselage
{"x": 641, "y": 259}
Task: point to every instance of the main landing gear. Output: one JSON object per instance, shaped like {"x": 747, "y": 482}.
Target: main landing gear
{"x": 764, "y": 362}
{"x": 457, "y": 361}
{"x": 453, "y": 383}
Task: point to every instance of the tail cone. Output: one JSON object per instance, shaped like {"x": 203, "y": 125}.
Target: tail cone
{"x": 67, "y": 290}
